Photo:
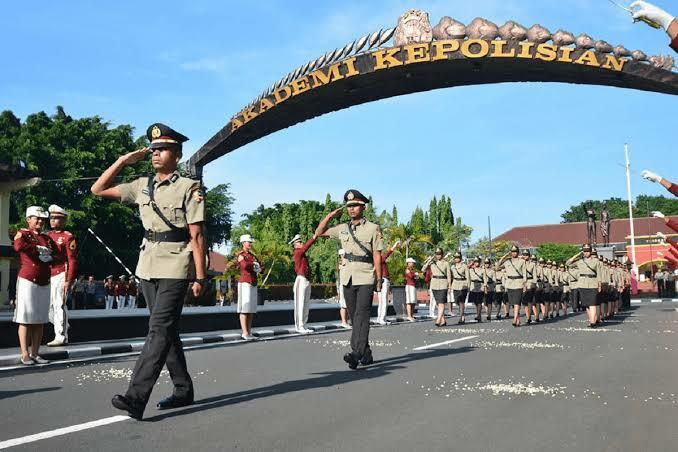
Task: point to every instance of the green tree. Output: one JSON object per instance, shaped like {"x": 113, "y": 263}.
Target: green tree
{"x": 558, "y": 252}
{"x": 482, "y": 248}
{"x": 619, "y": 208}
{"x": 67, "y": 153}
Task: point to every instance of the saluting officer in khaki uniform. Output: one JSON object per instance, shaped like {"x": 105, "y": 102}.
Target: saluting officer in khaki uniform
{"x": 441, "y": 278}
{"x": 589, "y": 281}
{"x": 172, "y": 257}
{"x": 516, "y": 280}
{"x": 476, "y": 290}
{"x": 363, "y": 243}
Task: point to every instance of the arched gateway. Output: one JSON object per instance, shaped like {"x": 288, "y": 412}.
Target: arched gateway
{"x": 423, "y": 58}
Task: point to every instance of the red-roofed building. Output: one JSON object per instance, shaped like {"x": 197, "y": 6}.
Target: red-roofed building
{"x": 648, "y": 245}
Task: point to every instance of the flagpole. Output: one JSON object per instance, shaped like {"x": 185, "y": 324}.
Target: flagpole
{"x": 489, "y": 234}
{"x": 628, "y": 194}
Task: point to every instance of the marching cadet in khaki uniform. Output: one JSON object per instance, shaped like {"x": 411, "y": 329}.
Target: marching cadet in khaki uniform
{"x": 621, "y": 284}
{"x": 546, "y": 292}
{"x": 573, "y": 278}
{"x": 171, "y": 260}
{"x": 589, "y": 281}
{"x": 441, "y": 279}
{"x": 605, "y": 290}
{"x": 538, "y": 287}
{"x": 478, "y": 283}
{"x": 500, "y": 293}
{"x": 363, "y": 243}
{"x": 565, "y": 284}
{"x": 530, "y": 287}
{"x": 515, "y": 282}
{"x": 490, "y": 287}
{"x": 461, "y": 281}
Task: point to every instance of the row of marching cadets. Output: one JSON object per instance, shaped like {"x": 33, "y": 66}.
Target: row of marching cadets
{"x": 543, "y": 288}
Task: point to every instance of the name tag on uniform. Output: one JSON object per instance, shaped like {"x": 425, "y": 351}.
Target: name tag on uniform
{"x": 145, "y": 191}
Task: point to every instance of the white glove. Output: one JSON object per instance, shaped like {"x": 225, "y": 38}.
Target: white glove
{"x": 652, "y": 177}
{"x": 257, "y": 267}
{"x": 661, "y": 236}
{"x": 44, "y": 253}
{"x": 658, "y": 214}
{"x": 654, "y": 13}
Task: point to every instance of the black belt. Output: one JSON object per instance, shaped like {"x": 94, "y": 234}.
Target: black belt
{"x": 476, "y": 280}
{"x": 490, "y": 281}
{"x": 180, "y": 235}
{"x": 439, "y": 277}
{"x": 588, "y": 276}
{"x": 514, "y": 277}
{"x": 354, "y": 258}
{"x": 459, "y": 279}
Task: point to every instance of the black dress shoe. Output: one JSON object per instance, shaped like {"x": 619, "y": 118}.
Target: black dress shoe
{"x": 123, "y": 403}
{"x": 175, "y": 402}
{"x": 351, "y": 360}
{"x": 367, "y": 358}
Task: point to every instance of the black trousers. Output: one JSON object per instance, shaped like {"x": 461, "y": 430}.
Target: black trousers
{"x": 660, "y": 287}
{"x": 359, "y": 305}
{"x": 165, "y": 299}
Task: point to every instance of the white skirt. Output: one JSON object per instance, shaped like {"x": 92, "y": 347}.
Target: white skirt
{"x": 410, "y": 295}
{"x": 32, "y": 303}
{"x": 340, "y": 292}
{"x": 247, "y": 298}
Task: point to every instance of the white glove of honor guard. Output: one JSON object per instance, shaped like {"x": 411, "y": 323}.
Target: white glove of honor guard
{"x": 661, "y": 236}
{"x": 658, "y": 214}
{"x": 654, "y": 13}
{"x": 649, "y": 175}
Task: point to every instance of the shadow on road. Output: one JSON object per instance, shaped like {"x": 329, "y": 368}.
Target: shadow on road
{"x": 9, "y": 394}
{"x": 322, "y": 380}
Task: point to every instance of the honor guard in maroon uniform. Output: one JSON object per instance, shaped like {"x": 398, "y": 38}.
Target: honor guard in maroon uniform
{"x": 31, "y": 312}
{"x": 411, "y": 277}
{"x": 382, "y": 308}
{"x": 132, "y": 293}
{"x": 109, "y": 287}
{"x": 248, "y": 294}
{"x": 63, "y": 269}
{"x": 121, "y": 291}
{"x": 302, "y": 283}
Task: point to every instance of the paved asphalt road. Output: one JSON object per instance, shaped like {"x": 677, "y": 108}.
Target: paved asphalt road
{"x": 550, "y": 387}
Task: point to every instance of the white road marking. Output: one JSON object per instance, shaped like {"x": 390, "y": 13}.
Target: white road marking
{"x": 61, "y": 431}
{"x": 636, "y": 301}
{"x": 657, "y": 300}
{"x": 426, "y": 347}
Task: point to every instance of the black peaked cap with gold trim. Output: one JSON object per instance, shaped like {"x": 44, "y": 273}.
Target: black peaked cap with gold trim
{"x": 354, "y": 197}
{"x": 162, "y": 136}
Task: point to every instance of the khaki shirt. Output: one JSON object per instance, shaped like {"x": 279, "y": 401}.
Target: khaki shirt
{"x": 491, "y": 277}
{"x": 546, "y": 278}
{"x": 516, "y": 274}
{"x": 369, "y": 235}
{"x": 478, "y": 279}
{"x": 441, "y": 277}
{"x": 531, "y": 269}
{"x": 500, "y": 276}
{"x": 181, "y": 201}
{"x": 574, "y": 278}
{"x": 461, "y": 278}
{"x": 590, "y": 273}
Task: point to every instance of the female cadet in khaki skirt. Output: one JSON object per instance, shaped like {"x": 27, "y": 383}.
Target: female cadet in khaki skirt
{"x": 476, "y": 292}
{"x": 343, "y": 309}
{"x": 461, "y": 281}
{"x": 440, "y": 283}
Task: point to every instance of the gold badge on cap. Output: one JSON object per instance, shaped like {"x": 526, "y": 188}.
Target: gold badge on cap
{"x": 155, "y": 132}
{"x": 350, "y": 196}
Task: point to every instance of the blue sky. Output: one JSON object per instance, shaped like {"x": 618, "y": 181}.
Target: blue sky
{"x": 520, "y": 153}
